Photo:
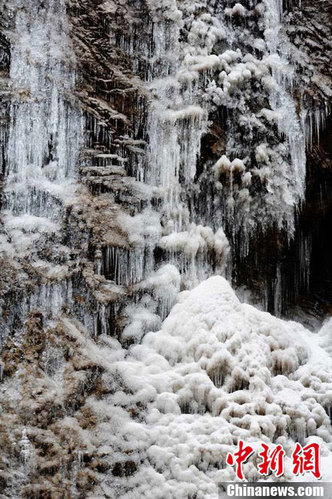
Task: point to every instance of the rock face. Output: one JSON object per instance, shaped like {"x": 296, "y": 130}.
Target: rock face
{"x": 145, "y": 146}
{"x": 298, "y": 274}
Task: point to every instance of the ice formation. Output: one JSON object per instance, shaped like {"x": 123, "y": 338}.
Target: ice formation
{"x": 314, "y": 121}
{"x": 148, "y": 368}
{"x": 45, "y": 130}
{"x": 187, "y": 206}
{"x": 190, "y": 78}
{"x": 44, "y": 138}
{"x": 217, "y": 371}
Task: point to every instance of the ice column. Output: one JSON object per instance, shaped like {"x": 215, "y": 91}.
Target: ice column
{"x": 175, "y": 124}
{"x": 283, "y": 103}
{"x": 45, "y": 129}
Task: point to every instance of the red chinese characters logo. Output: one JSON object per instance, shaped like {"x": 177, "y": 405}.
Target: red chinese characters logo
{"x": 239, "y": 458}
{"x": 272, "y": 460}
{"x": 304, "y": 460}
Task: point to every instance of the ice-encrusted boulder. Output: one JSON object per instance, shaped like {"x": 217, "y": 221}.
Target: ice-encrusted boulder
{"x": 219, "y": 371}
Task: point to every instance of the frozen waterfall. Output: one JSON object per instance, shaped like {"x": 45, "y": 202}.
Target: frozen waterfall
{"x": 154, "y": 170}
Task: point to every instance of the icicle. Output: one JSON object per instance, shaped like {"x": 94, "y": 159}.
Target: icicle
{"x": 44, "y": 139}
{"x": 45, "y": 130}
{"x": 314, "y": 122}
{"x": 175, "y": 125}
{"x": 26, "y": 448}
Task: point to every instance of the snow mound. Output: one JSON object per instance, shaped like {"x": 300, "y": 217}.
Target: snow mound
{"x": 219, "y": 371}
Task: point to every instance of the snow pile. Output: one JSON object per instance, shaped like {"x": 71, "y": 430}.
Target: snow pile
{"x": 160, "y": 418}
{"x": 219, "y": 371}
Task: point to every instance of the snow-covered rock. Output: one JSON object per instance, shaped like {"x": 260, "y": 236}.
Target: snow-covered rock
{"x": 223, "y": 371}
